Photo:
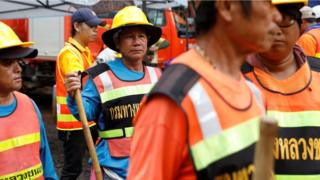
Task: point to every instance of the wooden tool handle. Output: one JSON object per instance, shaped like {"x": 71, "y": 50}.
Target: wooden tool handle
{"x": 263, "y": 158}
{"x": 88, "y": 137}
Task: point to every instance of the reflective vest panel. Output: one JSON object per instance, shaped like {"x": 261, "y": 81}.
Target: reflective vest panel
{"x": 217, "y": 152}
{"x": 120, "y": 101}
{"x": 20, "y": 142}
{"x": 65, "y": 119}
{"x": 297, "y": 147}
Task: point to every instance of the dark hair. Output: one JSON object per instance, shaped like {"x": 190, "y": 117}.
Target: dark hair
{"x": 73, "y": 30}
{"x": 206, "y": 14}
{"x": 292, "y": 10}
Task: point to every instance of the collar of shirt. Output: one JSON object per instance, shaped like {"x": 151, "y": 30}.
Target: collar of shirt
{"x": 75, "y": 43}
{"x": 299, "y": 55}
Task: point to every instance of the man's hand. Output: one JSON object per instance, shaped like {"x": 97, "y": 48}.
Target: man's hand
{"x": 72, "y": 82}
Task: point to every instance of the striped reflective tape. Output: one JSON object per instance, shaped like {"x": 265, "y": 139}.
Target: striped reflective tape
{"x": 61, "y": 100}
{"x": 152, "y": 74}
{"x": 19, "y": 141}
{"x": 206, "y": 113}
{"x": 106, "y": 81}
{"x": 257, "y": 94}
{"x": 66, "y": 118}
{"x": 296, "y": 119}
{"x": 298, "y": 177}
{"x": 114, "y": 133}
{"x": 229, "y": 141}
{"x": 125, "y": 91}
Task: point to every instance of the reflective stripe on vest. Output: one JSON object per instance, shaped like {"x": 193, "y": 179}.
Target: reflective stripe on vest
{"x": 217, "y": 142}
{"x": 19, "y": 141}
{"x": 298, "y": 177}
{"x": 207, "y": 116}
{"x": 63, "y": 110}
{"x": 125, "y": 91}
{"x": 296, "y": 119}
{"x": 34, "y": 172}
{"x": 257, "y": 94}
{"x": 153, "y": 75}
{"x": 127, "y": 132}
{"x": 106, "y": 81}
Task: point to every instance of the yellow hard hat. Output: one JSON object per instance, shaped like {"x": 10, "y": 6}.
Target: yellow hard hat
{"x": 276, "y": 2}
{"x": 11, "y": 47}
{"x": 131, "y": 16}
{"x": 8, "y": 38}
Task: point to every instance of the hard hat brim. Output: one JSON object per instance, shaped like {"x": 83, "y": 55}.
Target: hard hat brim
{"x": 21, "y": 44}
{"x": 278, "y": 2}
{"x": 153, "y": 32}
{"x": 18, "y": 52}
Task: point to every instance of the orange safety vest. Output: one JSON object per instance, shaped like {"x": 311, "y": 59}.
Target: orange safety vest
{"x": 65, "y": 119}
{"x": 295, "y": 103}
{"x": 120, "y": 101}
{"x": 221, "y": 144}
{"x": 20, "y": 142}
{"x": 315, "y": 33}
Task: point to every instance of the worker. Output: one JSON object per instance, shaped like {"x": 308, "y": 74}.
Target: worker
{"x": 316, "y": 10}
{"x": 112, "y": 91}
{"x": 106, "y": 55}
{"x": 201, "y": 118}
{"x": 309, "y": 41}
{"x": 308, "y": 18}
{"x": 152, "y": 53}
{"x": 24, "y": 148}
{"x": 74, "y": 56}
{"x": 291, "y": 89}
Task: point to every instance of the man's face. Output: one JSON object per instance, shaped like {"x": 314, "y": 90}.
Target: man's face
{"x": 87, "y": 33}
{"x": 10, "y": 76}
{"x": 132, "y": 43}
{"x": 254, "y": 33}
{"x": 284, "y": 39}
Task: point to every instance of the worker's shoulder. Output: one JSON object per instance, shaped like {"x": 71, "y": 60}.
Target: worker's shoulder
{"x": 96, "y": 70}
{"x": 314, "y": 63}
{"x": 176, "y": 82}
{"x": 312, "y": 34}
{"x": 23, "y": 97}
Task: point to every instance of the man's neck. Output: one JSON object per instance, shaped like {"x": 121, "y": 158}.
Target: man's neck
{"x": 224, "y": 55}
{"x": 281, "y": 69}
{"x": 6, "y": 99}
{"x": 82, "y": 43}
{"x": 135, "y": 65}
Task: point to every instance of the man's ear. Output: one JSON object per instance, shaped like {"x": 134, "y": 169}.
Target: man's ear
{"x": 224, "y": 9}
{"x": 76, "y": 26}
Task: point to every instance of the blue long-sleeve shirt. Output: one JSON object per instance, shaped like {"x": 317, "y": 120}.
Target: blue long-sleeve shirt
{"x": 49, "y": 172}
{"x": 92, "y": 106}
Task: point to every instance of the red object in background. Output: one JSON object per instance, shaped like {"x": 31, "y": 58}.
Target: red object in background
{"x": 20, "y": 26}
